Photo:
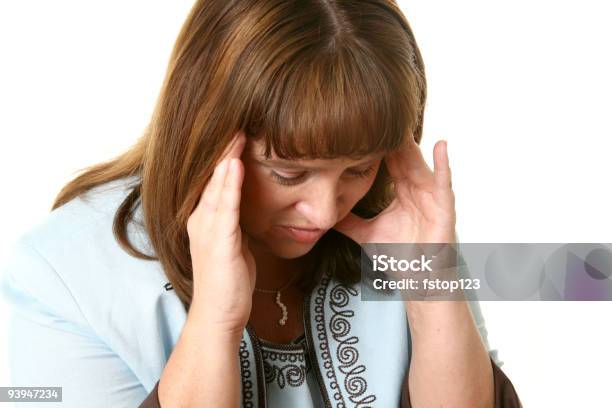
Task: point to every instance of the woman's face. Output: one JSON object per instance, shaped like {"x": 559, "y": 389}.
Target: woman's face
{"x": 309, "y": 194}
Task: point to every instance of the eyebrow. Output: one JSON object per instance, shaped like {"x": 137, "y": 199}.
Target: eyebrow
{"x": 292, "y": 164}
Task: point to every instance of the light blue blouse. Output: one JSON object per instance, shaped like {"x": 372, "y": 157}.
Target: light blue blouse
{"x": 89, "y": 317}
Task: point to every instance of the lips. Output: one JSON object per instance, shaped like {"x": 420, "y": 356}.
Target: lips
{"x": 302, "y": 228}
{"x": 304, "y": 235}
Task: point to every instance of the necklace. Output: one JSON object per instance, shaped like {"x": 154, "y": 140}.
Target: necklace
{"x": 281, "y": 305}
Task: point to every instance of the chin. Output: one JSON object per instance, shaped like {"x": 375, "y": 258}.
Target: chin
{"x": 282, "y": 248}
{"x": 290, "y": 250}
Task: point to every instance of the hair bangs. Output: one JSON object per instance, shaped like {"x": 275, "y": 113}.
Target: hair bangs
{"x": 338, "y": 104}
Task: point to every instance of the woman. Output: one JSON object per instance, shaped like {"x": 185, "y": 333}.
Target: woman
{"x": 216, "y": 262}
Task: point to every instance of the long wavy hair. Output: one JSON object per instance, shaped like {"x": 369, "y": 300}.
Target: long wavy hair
{"x": 314, "y": 78}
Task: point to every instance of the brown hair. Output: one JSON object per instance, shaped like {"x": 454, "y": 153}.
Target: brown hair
{"x": 315, "y": 79}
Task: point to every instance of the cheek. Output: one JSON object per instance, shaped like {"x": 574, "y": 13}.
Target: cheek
{"x": 261, "y": 198}
{"x": 360, "y": 188}
{"x": 355, "y": 192}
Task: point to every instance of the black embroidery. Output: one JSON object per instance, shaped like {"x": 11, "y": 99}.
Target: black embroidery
{"x": 245, "y": 373}
{"x": 346, "y": 353}
{"x": 168, "y": 286}
{"x": 258, "y": 370}
{"x": 311, "y": 348}
{"x": 322, "y": 336}
{"x": 285, "y": 367}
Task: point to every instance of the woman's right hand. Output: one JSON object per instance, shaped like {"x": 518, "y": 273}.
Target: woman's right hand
{"x": 223, "y": 266}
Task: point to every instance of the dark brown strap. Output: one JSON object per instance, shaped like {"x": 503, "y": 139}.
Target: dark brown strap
{"x": 152, "y": 400}
{"x": 505, "y": 394}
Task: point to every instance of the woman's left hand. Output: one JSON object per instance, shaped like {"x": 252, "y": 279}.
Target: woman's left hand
{"x": 423, "y": 210}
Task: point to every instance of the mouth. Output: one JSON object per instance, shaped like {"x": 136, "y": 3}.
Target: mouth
{"x": 303, "y": 235}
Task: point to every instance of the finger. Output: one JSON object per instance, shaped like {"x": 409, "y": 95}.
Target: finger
{"x": 238, "y": 146}
{"x": 234, "y": 147}
{"x": 407, "y": 162}
{"x": 443, "y": 192}
{"x": 212, "y": 191}
{"x": 209, "y": 200}
{"x": 442, "y": 171}
{"x": 229, "y": 210}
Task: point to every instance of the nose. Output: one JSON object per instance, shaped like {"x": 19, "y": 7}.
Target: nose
{"x": 320, "y": 205}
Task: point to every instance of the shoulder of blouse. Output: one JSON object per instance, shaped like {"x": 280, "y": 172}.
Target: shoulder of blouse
{"x": 70, "y": 267}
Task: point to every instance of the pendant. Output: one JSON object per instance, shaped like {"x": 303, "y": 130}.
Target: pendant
{"x": 283, "y": 308}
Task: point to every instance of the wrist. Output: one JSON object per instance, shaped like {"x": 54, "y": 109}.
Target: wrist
{"x": 429, "y": 317}
{"x": 207, "y": 323}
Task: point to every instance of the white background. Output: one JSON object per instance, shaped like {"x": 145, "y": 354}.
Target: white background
{"x": 521, "y": 91}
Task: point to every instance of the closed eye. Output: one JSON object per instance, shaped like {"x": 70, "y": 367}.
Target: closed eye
{"x": 296, "y": 179}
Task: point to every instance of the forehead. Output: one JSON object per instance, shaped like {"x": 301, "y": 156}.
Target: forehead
{"x": 256, "y": 149}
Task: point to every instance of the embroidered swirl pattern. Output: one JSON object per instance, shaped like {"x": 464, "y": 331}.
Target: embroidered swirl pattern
{"x": 247, "y": 383}
{"x": 322, "y": 337}
{"x": 293, "y": 373}
{"x": 346, "y": 353}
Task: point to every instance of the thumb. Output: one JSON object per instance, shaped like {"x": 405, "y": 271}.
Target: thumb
{"x": 353, "y": 227}
{"x": 246, "y": 246}
{"x": 245, "y": 241}
{"x": 249, "y": 258}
